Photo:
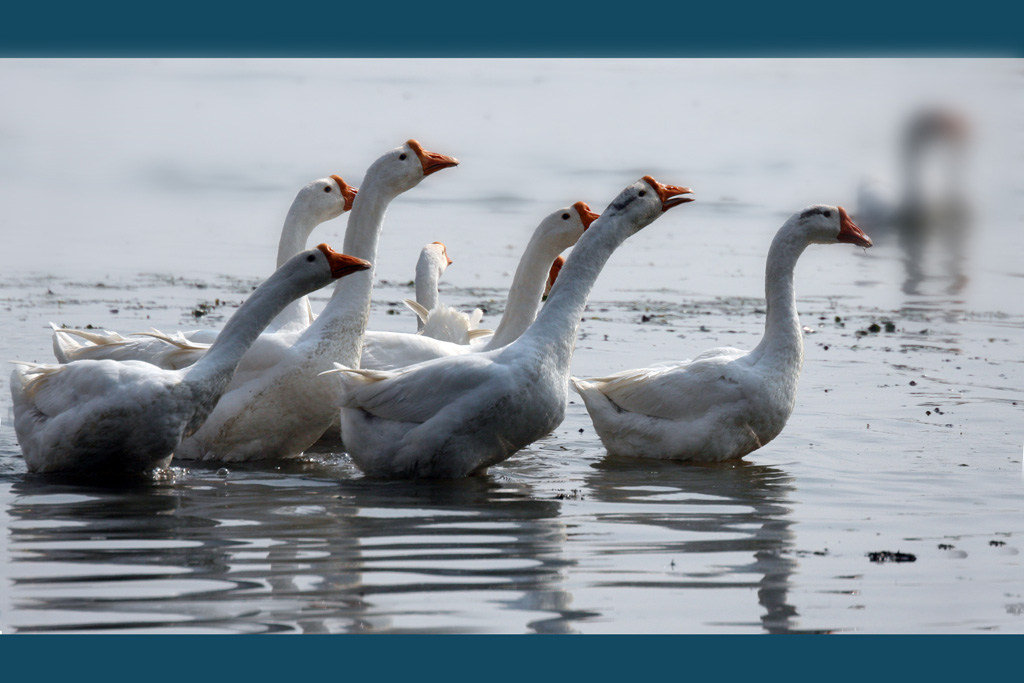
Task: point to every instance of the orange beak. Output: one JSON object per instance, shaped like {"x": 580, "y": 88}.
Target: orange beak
{"x": 586, "y": 215}
{"x": 556, "y": 268}
{"x": 669, "y": 194}
{"x": 432, "y": 162}
{"x": 849, "y": 232}
{"x": 347, "y": 191}
{"x": 343, "y": 264}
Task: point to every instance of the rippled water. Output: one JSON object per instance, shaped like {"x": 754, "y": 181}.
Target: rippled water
{"x": 135, "y": 212}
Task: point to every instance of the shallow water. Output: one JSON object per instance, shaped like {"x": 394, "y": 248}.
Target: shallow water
{"x": 167, "y": 189}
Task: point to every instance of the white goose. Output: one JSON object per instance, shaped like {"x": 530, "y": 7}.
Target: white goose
{"x": 276, "y": 406}
{"x": 317, "y": 202}
{"x": 724, "y": 403}
{"x": 933, "y": 206}
{"x": 456, "y": 416}
{"x": 557, "y": 232}
{"x": 934, "y": 141}
{"x": 433, "y": 318}
{"x": 127, "y": 417}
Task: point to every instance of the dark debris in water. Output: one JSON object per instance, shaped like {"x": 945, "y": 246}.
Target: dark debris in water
{"x": 888, "y": 556}
{"x": 204, "y": 307}
{"x": 875, "y": 327}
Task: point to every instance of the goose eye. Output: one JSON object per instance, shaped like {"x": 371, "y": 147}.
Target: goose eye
{"x": 642, "y": 193}
{"x": 828, "y": 214}
{"x": 327, "y": 189}
{"x": 403, "y": 156}
{"x": 565, "y": 216}
{"x": 311, "y": 258}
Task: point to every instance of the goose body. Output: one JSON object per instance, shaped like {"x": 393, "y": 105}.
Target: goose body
{"x": 555, "y": 233}
{"x": 433, "y": 318}
{"x": 127, "y": 417}
{"x": 455, "y": 416}
{"x": 277, "y": 406}
{"x": 724, "y": 403}
{"x": 317, "y": 202}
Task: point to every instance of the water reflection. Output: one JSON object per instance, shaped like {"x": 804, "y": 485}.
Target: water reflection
{"x": 715, "y": 509}
{"x": 260, "y": 552}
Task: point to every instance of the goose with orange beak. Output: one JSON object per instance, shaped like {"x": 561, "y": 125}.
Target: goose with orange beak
{"x": 316, "y": 203}
{"x": 725, "y": 403}
{"x": 108, "y": 417}
{"x": 457, "y": 416}
{"x": 277, "y": 406}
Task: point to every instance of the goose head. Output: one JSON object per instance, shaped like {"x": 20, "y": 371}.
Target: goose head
{"x": 316, "y": 267}
{"x": 824, "y": 224}
{"x": 646, "y": 199}
{"x": 935, "y": 126}
{"x": 562, "y": 228}
{"x": 403, "y": 167}
{"x": 325, "y": 199}
{"x": 435, "y": 256}
{"x": 442, "y": 253}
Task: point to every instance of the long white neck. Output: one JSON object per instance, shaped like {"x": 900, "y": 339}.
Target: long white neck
{"x": 217, "y": 366}
{"x": 526, "y": 291}
{"x": 782, "y": 344}
{"x": 555, "y": 328}
{"x": 298, "y": 224}
{"x": 428, "y": 272}
{"x": 338, "y": 332}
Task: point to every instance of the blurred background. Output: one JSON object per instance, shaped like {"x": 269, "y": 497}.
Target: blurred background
{"x": 140, "y": 165}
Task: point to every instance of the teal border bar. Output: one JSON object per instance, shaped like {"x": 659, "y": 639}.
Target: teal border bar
{"x": 508, "y": 658}
{"x": 526, "y": 28}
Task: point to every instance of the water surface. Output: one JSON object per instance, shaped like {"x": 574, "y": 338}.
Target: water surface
{"x": 167, "y": 188}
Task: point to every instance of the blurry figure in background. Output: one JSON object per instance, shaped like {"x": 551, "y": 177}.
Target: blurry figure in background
{"x": 933, "y": 204}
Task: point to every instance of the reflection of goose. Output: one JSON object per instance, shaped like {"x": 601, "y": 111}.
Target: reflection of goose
{"x": 724, "y": 403}
{"x": 694, "y": 517}
{"x": 433, "y": 318}
{"x": 282, "y": 553}
{"x": 277, "y": 406}
{"x": 456, "y": 416}
{"x": 317, "y": 202}
{"x": 931, "y": 203}
{"x": 96, "y": 416}
{"x": 557, "y": 232}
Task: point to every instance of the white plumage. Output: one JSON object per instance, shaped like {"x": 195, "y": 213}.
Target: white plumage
{"x": 435, "y": 319}
{"x": 555, "y": 233}
{"x": 725, "y": 402}
{"x": 458, "y": 415}
{"x": 127, "y": 417}
{"x": 277, "y": 406}
{"x": 317, "y": 202}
